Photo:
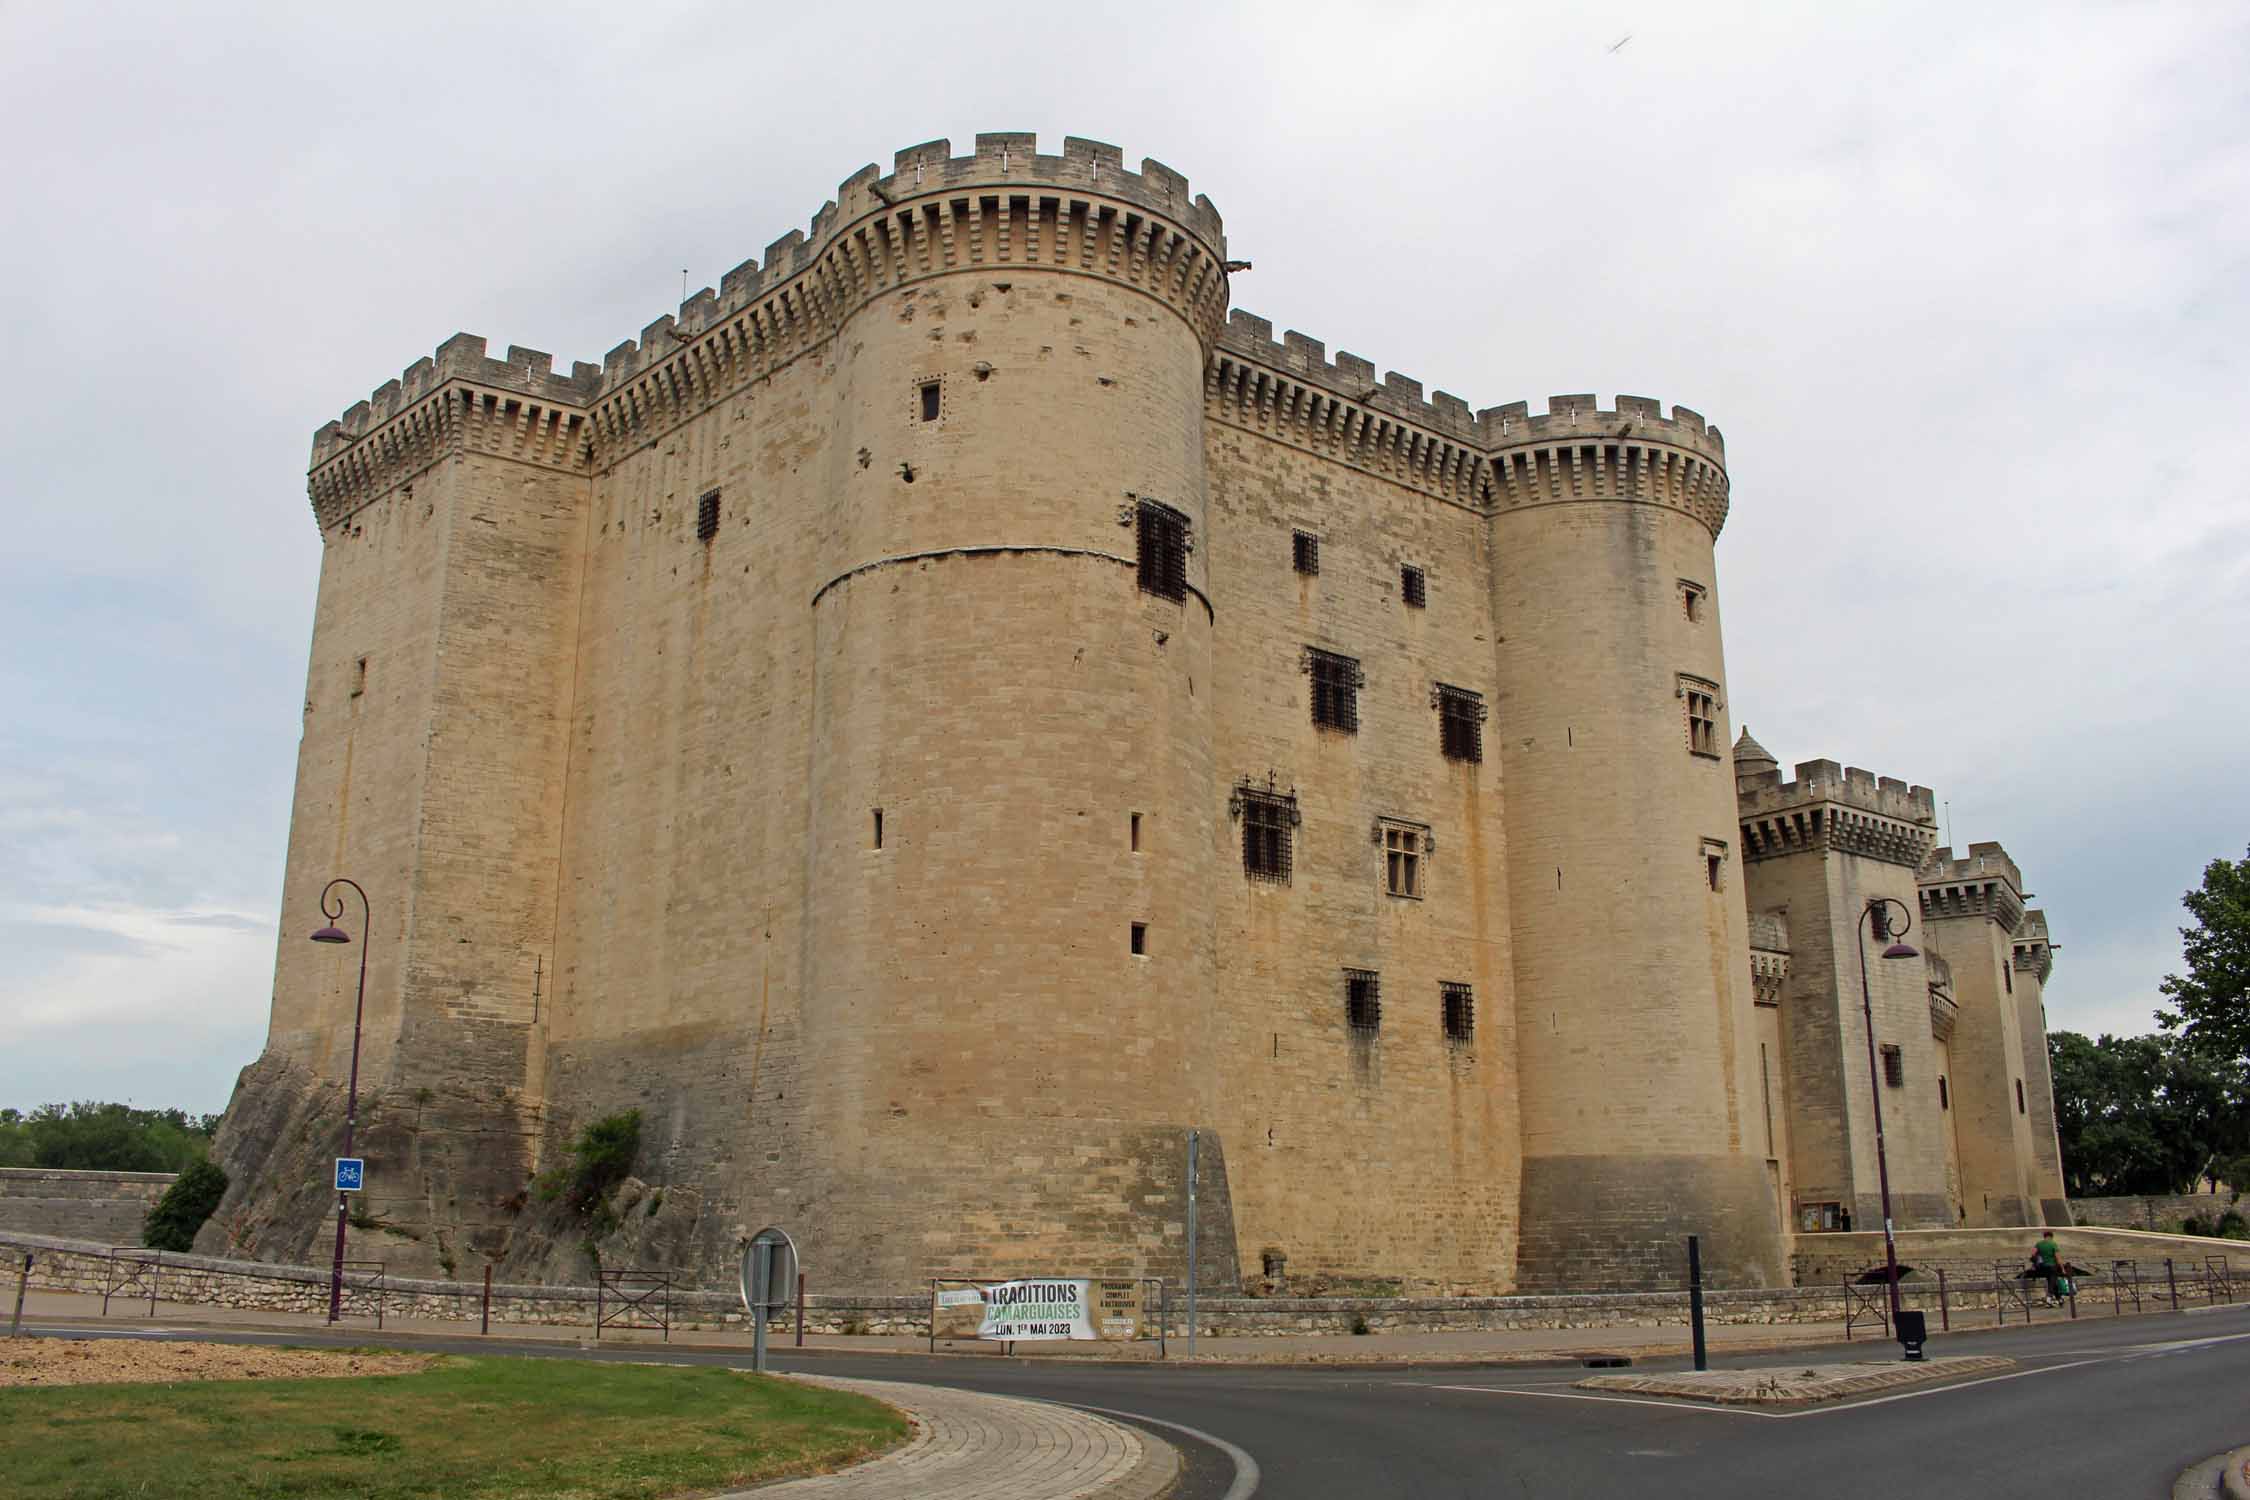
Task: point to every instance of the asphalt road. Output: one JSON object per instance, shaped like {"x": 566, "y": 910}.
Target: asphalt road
{"x": 2099, "y": 1409}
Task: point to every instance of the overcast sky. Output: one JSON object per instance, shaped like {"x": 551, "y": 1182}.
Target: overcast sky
{"x": 1967, "y": 286}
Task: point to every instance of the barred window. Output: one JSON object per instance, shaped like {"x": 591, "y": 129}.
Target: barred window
{"x": 1269, "y": 821}
{"x": 707, "y": 517}
{"x": 1460, "y": 1007}
{"x": 1363, "y": 1001}
{"x": 1163, "y": 536}
{"x": 1336, "y": 681}
{"x": 1304, "y": 551}
{"x": 1460, "y": 723}
{"x": 1413, "y": 587}
{"x": 1894, "y": 1067}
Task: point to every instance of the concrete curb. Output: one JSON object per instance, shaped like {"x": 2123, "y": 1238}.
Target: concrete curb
{"x": 1833, "y": 1382}
{"x": 2225, "y": 1476}
{"x": 971, "y": 1446}
{"x": 2234, "y": 1473}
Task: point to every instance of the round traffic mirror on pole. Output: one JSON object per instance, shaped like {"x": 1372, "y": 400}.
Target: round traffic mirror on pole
{"x": 769, "y": 1279}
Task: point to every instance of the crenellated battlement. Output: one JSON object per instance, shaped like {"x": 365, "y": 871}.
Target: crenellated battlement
{"x": 1985, "y": 882}
{"x": 1502, "y": 456}
{"x": 2034, "y": 950}
{"x": 526, "y": 372}
{"x": 1826, "y": 781}
{"x": 1079, "y": 211}
{"x": 1835, "y": 808}
{"x": 1003, "y": 162}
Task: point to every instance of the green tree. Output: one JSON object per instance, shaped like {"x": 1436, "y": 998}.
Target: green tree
{"x": 96, "y": 1137}
{"x": 172, "y": 1224}
{"x": 2212, "y": 999}
{"x": 2140, "y": 1114}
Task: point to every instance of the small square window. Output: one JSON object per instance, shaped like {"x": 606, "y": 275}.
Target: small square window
{"x": 1363, "y": 1001}
{"x": 1403, "y": 848}
{"x": 1711, "y": 863}
{"x": 1304, "y": 552}
{"x": 707, "y": 517}
{"x": 1894, "y": 1067}
{"x": 1460, "y": 1007}
{"x": 1460, "y": 723}
{"x": 1413, "y": 588}
{"x": 1140, "y": 938}
{"x": 1336, "y": 681}
{"x": 933, "y": 398}
{"x": 1162, "y": 533}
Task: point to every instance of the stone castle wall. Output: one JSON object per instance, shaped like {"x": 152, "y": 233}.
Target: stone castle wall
{"x": 767, "y": 729}
{"x": 103, "y": 1206}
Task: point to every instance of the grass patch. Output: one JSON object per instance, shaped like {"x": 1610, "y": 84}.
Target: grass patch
{"x": 465, "y": 1429}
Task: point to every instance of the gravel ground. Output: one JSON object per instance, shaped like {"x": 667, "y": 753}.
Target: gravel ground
{"x": 43, "y": 1362}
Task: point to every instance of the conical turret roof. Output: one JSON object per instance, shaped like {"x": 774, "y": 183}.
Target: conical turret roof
{"x": 1750, "y": 757}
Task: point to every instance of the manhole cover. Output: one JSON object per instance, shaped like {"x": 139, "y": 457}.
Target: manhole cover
{"x": 1606, "y": 1361}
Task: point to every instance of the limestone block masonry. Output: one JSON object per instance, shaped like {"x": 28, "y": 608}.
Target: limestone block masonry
{"x": 105, "y": 1206}
{"x": 952, "y": 711}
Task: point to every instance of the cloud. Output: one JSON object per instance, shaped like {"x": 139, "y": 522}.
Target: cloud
{"x": 1967, "y": 288}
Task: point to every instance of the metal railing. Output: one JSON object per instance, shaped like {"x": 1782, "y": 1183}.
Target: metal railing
{"x": 634, "y": 1298}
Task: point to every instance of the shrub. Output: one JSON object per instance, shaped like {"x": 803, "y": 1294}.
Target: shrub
{"x": 2195, "y": 1224}
{"x": 2231, "y": 1226}
{"x": 600, "y": 1158}
{"x": 172, "y": 1224}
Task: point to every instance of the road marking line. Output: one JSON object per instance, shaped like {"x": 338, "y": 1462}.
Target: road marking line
{"x": 1494, "y": 1390}
{"x": 1689, "y": 1404}
{"x": 1245, "y": 1467}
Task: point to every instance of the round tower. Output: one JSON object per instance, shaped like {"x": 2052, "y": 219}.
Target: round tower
{"x": 1634, "y": 1012}
{"x": 1012, "y": 827}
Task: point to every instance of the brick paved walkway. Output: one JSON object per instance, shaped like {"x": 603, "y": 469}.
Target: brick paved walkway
{"x": 975, "y": 1447}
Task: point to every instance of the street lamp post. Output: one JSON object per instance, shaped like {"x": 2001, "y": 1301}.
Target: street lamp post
{"x": 334, "y": 934}
{"x": 1877, "y": 916}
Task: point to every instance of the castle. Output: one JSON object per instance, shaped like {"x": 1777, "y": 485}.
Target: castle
{"x": 955, "y": 710}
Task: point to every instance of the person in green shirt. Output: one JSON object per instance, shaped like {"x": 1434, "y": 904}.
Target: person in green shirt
{"x": 2046, "y": 1256}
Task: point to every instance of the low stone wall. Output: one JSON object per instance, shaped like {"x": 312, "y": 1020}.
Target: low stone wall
{"x": 76, "y": 1266}
{"x": 1969, "y": 1255}
{"x": 2154, "y": 1214}
{"x": 107, "y": 1207}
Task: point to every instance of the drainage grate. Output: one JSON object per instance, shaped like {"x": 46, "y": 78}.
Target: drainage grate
{"x": 1606, "y": 1361}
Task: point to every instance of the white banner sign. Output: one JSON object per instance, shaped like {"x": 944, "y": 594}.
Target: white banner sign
{"x": 1037, "y": 1310}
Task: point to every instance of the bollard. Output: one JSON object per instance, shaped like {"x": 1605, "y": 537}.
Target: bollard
{"x": 487, "y": 1320}
{"x": 1944, "y": 1308}
{"x": 800, "y": 1309}
{"x": 2173, "y": 1282}
{"x": 23, "y": 1280}
{"x": 1695, "y": 1300}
